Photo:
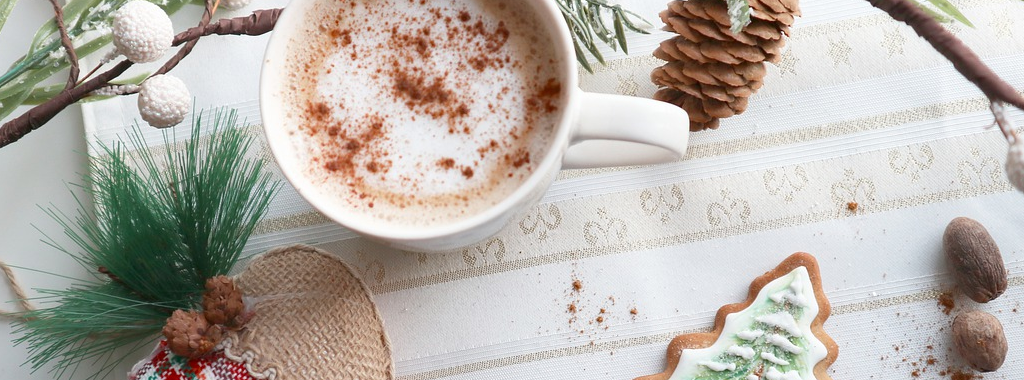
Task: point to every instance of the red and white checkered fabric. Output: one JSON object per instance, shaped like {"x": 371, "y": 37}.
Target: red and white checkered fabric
{"x": 164, "y": 365}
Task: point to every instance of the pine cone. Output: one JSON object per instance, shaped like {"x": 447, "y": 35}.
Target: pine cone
{"x": 222, "y": 302}
{"x": 711, "y": 72}
{"x": 190, "y": 335}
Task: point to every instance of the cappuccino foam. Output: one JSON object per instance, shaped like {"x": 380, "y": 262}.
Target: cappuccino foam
{"x": 418, "y": 112}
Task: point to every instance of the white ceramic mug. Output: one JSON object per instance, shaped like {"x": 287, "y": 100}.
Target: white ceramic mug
{"x": 594, "y": 130}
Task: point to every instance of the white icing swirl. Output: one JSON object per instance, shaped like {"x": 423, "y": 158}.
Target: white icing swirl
{"x": 741, "y": 351}
{"x": 774, "y": 374}
{"x": 798, "y": 298}
{"x": 718, "y": 367}
{"x": 793, "y": 294}
{"x": 749, "y": 335}
{"x": 774, "y": 359}
{"x": 782, "y": 320}
{"x": 784, "y": 343}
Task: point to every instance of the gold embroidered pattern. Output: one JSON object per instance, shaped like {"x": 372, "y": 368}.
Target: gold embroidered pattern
{"x": 493, "y": 249}
{"x": 547, "y": 218}
{"x": 911, "y": 161}
{"x": 666, "y": 202}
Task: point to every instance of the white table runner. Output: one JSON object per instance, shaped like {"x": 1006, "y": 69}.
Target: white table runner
{"x": 859, "y": 110}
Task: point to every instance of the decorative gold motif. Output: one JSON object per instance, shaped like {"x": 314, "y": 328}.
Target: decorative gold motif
{"x": 787, "y": 63}
{"x": 420, "y": 256}
{"x": 627, "y": 85}
{"x": 370, "y": 269}
{"x": 978, "y": 170}
{"x": 911, "y": 161}
{"x": 605, "y": 231}
{"x": 1002, "y": 24}
{"x": 729, "y": 211}
{"x": 853, "y": 189}
{"x": 894, "y": 41}
{"x": 492, "y": 248}
{"x": 839, "y": 50}
{"x": 664, "y": 203}
{"x": 540, "y": 223}
{"x": 785, "y": 182}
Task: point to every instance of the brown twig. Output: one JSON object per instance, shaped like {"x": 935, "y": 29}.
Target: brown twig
{"x": 39, "y": 115}
{"x": 34, "y": 118}
{"x": 113, "y": 277}
{"x": 91, "y": 72}
{"x": 65, "y": 40}
{"x": 963, "y": 59}
{"x": 255, "y": 24}
{"x": 203, "y": 22}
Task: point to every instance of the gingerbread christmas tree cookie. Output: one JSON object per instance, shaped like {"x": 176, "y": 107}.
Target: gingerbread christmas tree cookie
{"x": 776, "y": 334}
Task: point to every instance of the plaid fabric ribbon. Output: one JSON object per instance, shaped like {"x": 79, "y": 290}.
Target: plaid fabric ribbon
{"x": 164, "y": 365}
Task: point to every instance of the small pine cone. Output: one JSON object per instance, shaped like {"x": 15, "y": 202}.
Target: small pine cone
{"x": 190, "y": 335}
{"x": 712, "y": 72}
{"x": 222, "y": 302}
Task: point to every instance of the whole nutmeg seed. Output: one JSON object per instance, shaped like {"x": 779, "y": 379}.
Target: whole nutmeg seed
{"x": 975, "y": 259}
{"x": 978, "y": 337}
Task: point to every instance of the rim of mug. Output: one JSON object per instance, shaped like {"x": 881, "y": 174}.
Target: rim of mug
{"x": 282, "y": 148}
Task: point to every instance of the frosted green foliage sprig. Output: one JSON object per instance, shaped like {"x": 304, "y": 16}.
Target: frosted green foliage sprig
{"x": 591, "y": 21}
{"x": 88, "y": 26}
{"x": 161, "y": 227}
{"x": 942, "y": 10}
{"x": 739, "y": 15}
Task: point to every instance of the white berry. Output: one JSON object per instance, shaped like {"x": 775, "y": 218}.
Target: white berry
{"x": 164, "y": 101}
{"x": 1015, "y": 164}
{"x": 142, "y": 31}
{"x": 234, "y": 4}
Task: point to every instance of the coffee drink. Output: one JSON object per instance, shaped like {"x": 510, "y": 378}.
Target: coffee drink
{"x": 421, "y": 112}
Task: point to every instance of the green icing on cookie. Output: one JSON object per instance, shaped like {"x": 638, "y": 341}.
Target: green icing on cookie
{"x": 771, "y": 339}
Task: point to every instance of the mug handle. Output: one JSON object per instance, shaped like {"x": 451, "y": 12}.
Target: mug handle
{"x": 617, "y": 130}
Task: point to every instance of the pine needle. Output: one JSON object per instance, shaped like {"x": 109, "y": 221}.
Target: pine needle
{"x": 157, "y": 233}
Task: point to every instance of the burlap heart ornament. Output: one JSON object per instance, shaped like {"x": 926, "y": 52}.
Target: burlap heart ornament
{"x": 313, "y": 318}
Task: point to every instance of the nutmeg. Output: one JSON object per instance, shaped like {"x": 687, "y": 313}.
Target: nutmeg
{"x": 978, "y": 337}
{"x": 975, "y": 259}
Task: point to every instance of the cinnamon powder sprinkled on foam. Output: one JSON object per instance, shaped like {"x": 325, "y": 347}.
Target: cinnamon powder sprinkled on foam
{"x": 354, "y": 146}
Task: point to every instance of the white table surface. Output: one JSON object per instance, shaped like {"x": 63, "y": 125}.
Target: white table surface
{"x": 34, "y": 173}
{"x": 850, "y": 116}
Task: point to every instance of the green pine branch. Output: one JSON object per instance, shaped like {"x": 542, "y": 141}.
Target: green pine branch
{"x": 588, "y": 22}
{"x": 160, "y": 228}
